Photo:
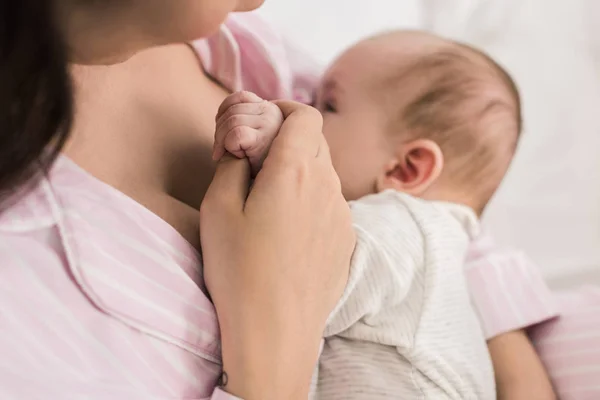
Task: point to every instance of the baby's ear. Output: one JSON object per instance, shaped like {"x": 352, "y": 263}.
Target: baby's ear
{"x": 417, "y": 165}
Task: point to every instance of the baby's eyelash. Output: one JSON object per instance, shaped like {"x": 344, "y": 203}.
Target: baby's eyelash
{"x": 324, "y": 103}
{"x": 328, "y": 106}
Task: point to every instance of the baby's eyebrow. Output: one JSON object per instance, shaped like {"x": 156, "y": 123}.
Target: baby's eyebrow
{"x": 314, "y": 97}
{"x": 321, "y": 90}
{"x": 330, "y": 85}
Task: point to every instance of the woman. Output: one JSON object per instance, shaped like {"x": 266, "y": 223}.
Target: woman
{"x": 101, "y": 295}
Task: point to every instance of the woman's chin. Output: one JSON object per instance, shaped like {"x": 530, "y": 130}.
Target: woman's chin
{"x": 102, "y": 59}
{"x": 249, "y": 5}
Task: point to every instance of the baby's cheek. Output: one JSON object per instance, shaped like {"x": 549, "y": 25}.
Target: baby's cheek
{"x": 354, "y": 189}
{"x": 348, "y": 169}
{"x": 355, "y": 161}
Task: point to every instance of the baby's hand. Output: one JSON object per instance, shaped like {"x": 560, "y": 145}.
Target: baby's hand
{"x": 246, "y": 127}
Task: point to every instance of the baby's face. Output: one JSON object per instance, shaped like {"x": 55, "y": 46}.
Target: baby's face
{"x": 363, "y": 99}
{"x": 356, "y": 124}
{"x": 358, "y": 108}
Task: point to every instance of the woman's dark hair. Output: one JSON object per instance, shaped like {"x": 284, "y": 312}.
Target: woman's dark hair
{"x": 35, "y": 91}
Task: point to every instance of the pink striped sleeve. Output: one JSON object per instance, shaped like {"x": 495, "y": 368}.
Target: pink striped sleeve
{"x": 221, "y": 395}
{"x": 306, "y": 73}
{"x": 507, "y": 288}
{"x": 569, "y": 346}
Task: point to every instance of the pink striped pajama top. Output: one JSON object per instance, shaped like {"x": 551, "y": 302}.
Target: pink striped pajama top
{"x": 102, "y": 299}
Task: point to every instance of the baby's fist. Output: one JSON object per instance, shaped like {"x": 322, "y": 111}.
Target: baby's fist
{"x": 246, "y": 127}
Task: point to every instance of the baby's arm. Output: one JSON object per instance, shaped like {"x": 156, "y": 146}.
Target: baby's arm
{"x": 404, "y": 328}
{"x": 510, "y": 296}
{"x": 246, "y": 127}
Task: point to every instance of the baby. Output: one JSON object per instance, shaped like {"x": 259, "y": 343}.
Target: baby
{"x": 420, "y": 143}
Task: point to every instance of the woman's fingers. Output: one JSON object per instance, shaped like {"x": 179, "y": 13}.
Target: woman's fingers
{"x": 288, "y": 107}
{"x": 230, "y": 185}
{"x": 287, "y": 254}
{"x": 301, "y": 134}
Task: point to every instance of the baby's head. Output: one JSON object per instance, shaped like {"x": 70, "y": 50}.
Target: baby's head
{"x": 420, "y": 114}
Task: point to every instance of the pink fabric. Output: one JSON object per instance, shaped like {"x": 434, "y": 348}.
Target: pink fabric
{"x": 101, "y": 299}
{"x": 510, "y": 294}
{"x": 251, "y": 56}
{"x": 221, "y": 395}
{"x": 570, "y": 345}
{"x": 508, "y": 290}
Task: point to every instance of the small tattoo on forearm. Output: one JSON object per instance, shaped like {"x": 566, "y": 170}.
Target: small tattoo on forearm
{"x": 223, "y": 380}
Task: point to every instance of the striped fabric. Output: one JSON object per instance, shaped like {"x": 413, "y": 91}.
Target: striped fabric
{"x": 570, "y": 345}
{"x": 510, "y": 294}
{"x": 101, "y": 299}
{"x": 250, "y": 55}
{"x": 507, "y": 288}
{"x": 406, "y": 328}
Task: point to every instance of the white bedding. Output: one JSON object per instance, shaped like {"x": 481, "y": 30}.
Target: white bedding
{"x": 326, "y": 27}
{"x": 550, "y": 203}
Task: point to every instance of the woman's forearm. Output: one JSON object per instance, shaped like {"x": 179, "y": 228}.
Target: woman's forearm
{"x": 263, "y": 360}
{"x": 520, "y": 374}
{"x": 266, "y": 377}
{"x": 275, "y": 275}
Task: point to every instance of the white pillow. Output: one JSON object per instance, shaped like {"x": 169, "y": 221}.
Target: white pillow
{"x": 325, "y": 27}
{"x": 550, "y": 202}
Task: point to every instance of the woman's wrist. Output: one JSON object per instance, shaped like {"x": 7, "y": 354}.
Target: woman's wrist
{"x": 263, "y": 363}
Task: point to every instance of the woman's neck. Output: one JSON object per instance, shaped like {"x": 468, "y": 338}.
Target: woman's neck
{"x": 104, "y": 102}
{"x": 147, "y": 125}
{"x": 100, "y": 32}
{"x": 123, "y": 97}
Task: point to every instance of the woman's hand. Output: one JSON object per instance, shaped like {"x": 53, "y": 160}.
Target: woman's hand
{"x": 276, "y": 258}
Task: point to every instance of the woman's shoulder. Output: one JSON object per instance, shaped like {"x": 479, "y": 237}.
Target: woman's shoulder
{"x": 26, "y": 211}
{"x": 70, "y": 208}
{"x": 97, "y": 278}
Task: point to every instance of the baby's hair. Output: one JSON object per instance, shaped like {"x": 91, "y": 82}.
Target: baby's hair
{"x": 471, "y": 107}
